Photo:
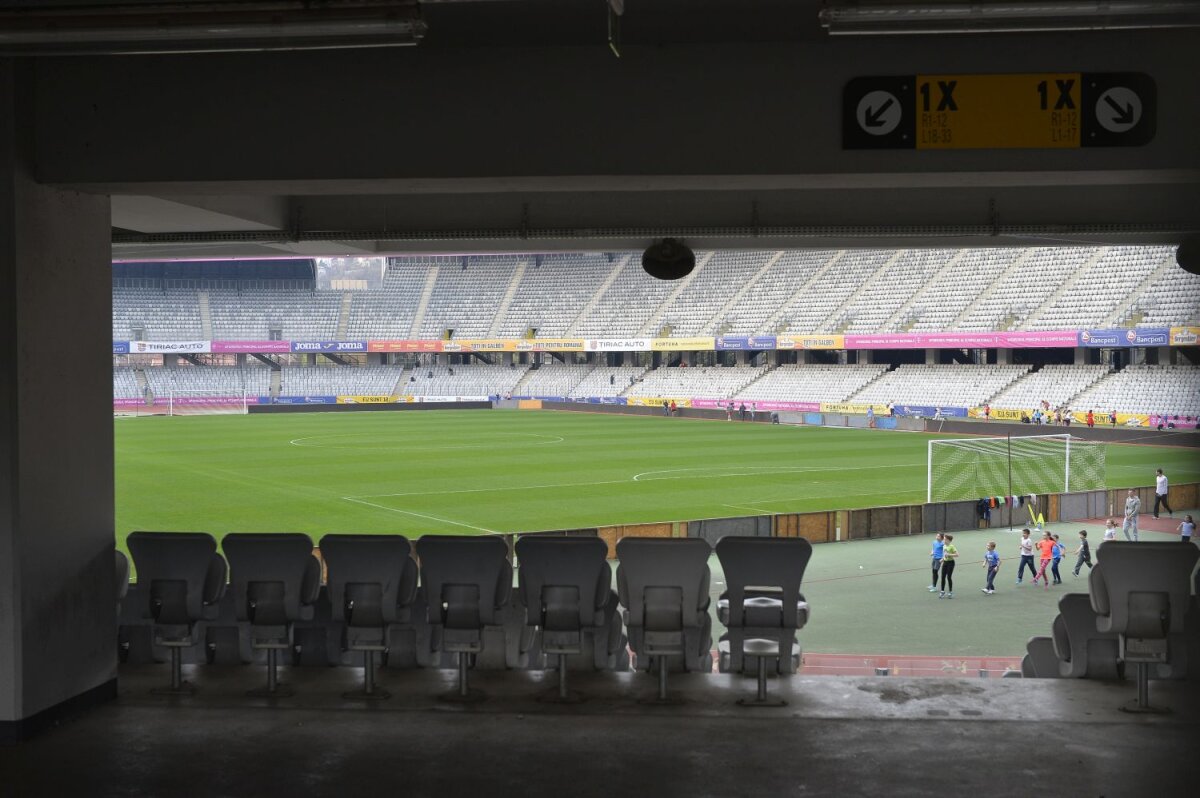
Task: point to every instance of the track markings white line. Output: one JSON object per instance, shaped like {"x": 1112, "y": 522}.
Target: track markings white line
{"x": 421, "y": 515}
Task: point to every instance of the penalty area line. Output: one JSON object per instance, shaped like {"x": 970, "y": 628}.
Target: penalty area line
{"x": 421, "y": 515}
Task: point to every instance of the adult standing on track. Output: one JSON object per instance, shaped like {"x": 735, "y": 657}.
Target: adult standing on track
{"x": 871, "y": 417}
{"x": 1133, "y": 505}
{"x": 1160, "y": 493}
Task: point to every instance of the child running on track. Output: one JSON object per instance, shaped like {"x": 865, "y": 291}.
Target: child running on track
{"x": 1084, "y": 551}
{"x": 1026, "y": 556}
{"x": 1058, "y": 555}
{"x": 935, "y": 557}
{"x": 949, "y": 555}
{"x": 1046, "y": 547}
{"x": 991, "y": 561}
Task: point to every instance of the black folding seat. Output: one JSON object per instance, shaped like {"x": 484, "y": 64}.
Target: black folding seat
{"x": 274, "y": 579}
{"x": 180, "y": 580}
{"x": 663, "y": 584}
{"x": 1142, "y": 593}
{"x": 372, "y": 582}
{"x": 467, "y": 582}
{"x": 762, "y": 606}
{"x": 565, "y": 584}
{"x": 1082, "y": 650}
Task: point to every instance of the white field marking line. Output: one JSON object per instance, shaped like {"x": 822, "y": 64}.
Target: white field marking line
{"x": 550, "y": 439}
{"x": 756, "y": 470}
{"x": 422, "y": 515}
{"x": 614, "y": 482}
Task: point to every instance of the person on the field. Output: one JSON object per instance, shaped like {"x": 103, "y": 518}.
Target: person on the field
{"x": 949, "y": 556}
{"x": 1133, "y": 505}
{"x": 1091, "y": 419}
{"x": 742, "y": 409}
{"x": 1058, "y": 555}
{"x": 754, "y": 411}
{"x": 935, "y": 557}
{"x": 1084, "y": 552}
{"x": 871, "y": 416}
{"x": 729, "y": 412}
{"x": 1187, "y": 528}
{"x": 1110, "y": 529}
{"x": 1046, "y": 548}
{"x": 666, "y": 408}
{"x": 1026, "y": 549}
{"x": 1160, "y": 493}
{"x": 1112, "y": 417}
{"x": 991, "y": 562}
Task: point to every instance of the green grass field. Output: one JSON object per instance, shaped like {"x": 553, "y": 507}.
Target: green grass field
{"x": 471, "y": 472}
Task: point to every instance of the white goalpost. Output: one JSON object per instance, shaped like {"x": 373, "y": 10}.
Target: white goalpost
{"x": 195, "y": 403}
{"x": 961, "y": 469}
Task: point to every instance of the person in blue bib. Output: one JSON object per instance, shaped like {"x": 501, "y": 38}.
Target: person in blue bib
{"x": 1058, "y": 551}
{"x": 935, "y": 556}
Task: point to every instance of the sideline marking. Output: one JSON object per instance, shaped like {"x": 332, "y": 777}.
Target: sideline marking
{"x": 550, "y": 439}
{"x": 756, "y": 470}
{"x": 421, "y": 515}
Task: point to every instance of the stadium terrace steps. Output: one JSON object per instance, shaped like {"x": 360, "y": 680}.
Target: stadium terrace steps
{"x": 752, "y": 284}
{"x": 654, "y": 323}
{"x": 343, "y": 322}
{"x": 423, "y": 303}
{"x": 206, "y": 328}
{"x": 1031, "y": 319}
{"x": 1057, "y": 384}
{"x": 902, "y": 313}
{"x": 590, "y": 305}
{"x": 506, "y": 301}
{"x": 1127, "y": 306}
{"x": 982, "y": 296}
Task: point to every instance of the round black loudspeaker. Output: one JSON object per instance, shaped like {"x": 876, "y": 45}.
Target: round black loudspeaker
{"x": 1188, "y": 254}
{"x": 668, "y": 260}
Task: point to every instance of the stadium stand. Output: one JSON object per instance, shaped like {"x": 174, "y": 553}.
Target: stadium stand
{"x": 608, "y": 380}
{"x": 955, "y": 288}
{"x": 474, "y": 379}
{"x": 902, "y": 279}
{"x": 819, "y": 309}
{"x": 1173, "y": 298}
{"x": 153, "y": 314}
{"x": 1057, "y": 385}
{"x": 467, "y": 294}
{"x": 125, "y": 384}
{"x": 254, "y": 381}
{"x": 389, "y": 312}
{"x": 1094, "y": 291}
{"x": 625, "y": 307}
{"x": 959, "y": 385}
{"x": 775, "y": 288}
{"x": 708, "y": 382}
{"x": 1165, "y": 389}
{"x": 1013, "y": 297}
{"x": 340, "y": 380}
{"x": 290, "y": 314}
{"x": 552, "y": 292}
{"x": 553, "y": 379}
{"x": 693, "y": 311}
{"x": 811, "y": 383}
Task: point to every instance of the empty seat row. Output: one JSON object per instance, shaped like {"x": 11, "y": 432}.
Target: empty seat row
{"x": 449, "y": 601}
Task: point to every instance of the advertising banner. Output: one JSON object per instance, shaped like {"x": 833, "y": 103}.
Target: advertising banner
{"x": 444, "y": 399}
{"x": 299, "y": 400}
{"x": 745, "y": 342}
{"x": 1171, "y": 422}
{"x": 846, "y": 408}
{"x": 1103, "y": 420}
{"x": 657, "y": 401}
{"x": 1139, "y": 336}
{"x": 130, "y": 404}
{"x": 480, "y": 345}
{"x": 329, "y": 346}
{"x": 169, "y": 347}
{"x": 810, "y": 342}
{"x": 793, "y": 407}
{"x": 550, "y": 345}
{"x": 965, "y": 340}
{"x": 681, "y": 344}
{"x": 607, "y": 400}
{"x": 363, "y": 400}
{"x": 1000, "y": 414}
{"x": 929, "y": 411}
{"x": 617, "y": 344}
{"x": 1185, "y": 336}
{"x": 247, "y": 347}
{"x": 120, "y": 348}
{"x": 404, "y": 346}
{"x": 210, "y": 401}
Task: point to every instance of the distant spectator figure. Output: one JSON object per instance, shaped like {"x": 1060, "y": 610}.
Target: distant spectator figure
{"x": 1025, "y": 417}
{"x": 1132, "y": 506}
{"x": 1112, "y": 417}
{"x": 1067, "y": 416}
{"x": 1160, "y": 493}
{"x": 742, "y": 410}
{"x": 674, "y": 408}
{"x": 987, "y": 412}
{"x": 1187, "y": 528}
{"x": 754, "y": 411}
{"x": 871, "y": 416}
{"x": 891, "y": 408}
{"x": 1091, "y": 419}
{"x": 729, "y": 412}
{"x": 612, "y": 379}
{"x": 1058, "y": 416}
{"x": 774, "y": 418}
{"x": 937, "y": 414}
{"x": 666, "y": 408}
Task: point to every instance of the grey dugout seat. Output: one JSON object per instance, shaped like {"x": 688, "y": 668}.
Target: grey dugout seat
{"x": 762, "y": 606}
{"x": 372, "y": 582}
{"x": 274, "y": 579}
{"x": 663, "y": 585}
{"x": 1082, "y": 650}
{"x": 1040, "y": 660}
{"x": 122, "y": 574}
{"x": 1142, "y": 592}
{"x": 181, "y": 577}
{"x": 565, "y": 584}
{"x": 467, "y": 582}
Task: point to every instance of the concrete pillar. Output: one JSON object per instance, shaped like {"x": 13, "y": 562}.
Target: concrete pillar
{"x": 931, "y": 357}
{"x": 58, "y": 623}
{"x": 170, "y": 361}
{"x": 1080, "y": 356}
{"x": 1004, "y": 357}
{"x": 739, "y": 357}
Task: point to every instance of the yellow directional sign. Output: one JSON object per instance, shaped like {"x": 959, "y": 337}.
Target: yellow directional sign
{"x": 1043, "y": 110}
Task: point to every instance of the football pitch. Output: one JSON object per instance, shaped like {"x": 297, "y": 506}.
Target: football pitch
{"x": 475, "y": 472}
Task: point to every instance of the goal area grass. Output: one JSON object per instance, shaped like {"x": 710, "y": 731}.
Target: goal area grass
{"x": 474, "y": 472}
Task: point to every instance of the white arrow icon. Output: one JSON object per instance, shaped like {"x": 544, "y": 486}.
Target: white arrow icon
{"x": 1118, "y": 109}
{"x": 878, "y": 113}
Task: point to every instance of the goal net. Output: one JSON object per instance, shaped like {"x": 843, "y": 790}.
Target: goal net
{"x": 963, "y": 469}
{"x": 197, "y": 403}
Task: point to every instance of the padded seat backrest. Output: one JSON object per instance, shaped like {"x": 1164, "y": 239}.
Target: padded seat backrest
{"x": 1082, "y": 649}
{"x": 763, "y": 562}
{"x": 563, "y": 562}
{"x": 1040, "y": 658}
{"x": 283, "y": 560}
{"x": 1139, "y": 587}
{"x": 664, "y": 564}
{"x": 465, "y": 563}
{"x": 370, "y": 560}
{"x": 187, "y": 558}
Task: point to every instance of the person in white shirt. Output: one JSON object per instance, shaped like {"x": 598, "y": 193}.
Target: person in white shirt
{"x": 1110, "y": 529}
{"x": 1160, "y": 493}
{"x": 1132, "y": 505}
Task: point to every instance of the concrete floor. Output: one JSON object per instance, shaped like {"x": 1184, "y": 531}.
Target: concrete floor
{"x": 837, "y": 736}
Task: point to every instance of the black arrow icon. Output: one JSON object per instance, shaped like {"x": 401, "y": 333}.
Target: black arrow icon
{"x": 1124, "y": 116}
{"x": 873, "y": 118}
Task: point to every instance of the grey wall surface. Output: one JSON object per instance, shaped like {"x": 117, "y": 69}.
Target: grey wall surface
{"x": 57, "y": 575}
